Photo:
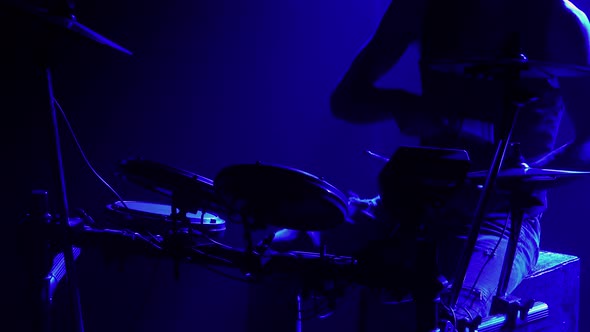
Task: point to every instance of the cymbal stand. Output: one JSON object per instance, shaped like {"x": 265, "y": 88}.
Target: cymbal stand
{"x": 299, "y": 321}
{"x": 35, "y": 253}
{"x": 428, "y": 284}
{"x": 512, "y": 107}
{"x": 252, "y": 262}
{"x": 60, "y": 16}
{"x": 414, "y": 187}
{"x": 502, "y": 303}
{"x": 520, "y": 201}
{"x": 426, "y": 281}
{"x": 182, "y": 203}
{"x": 63, "y": 209}
{"x": 178, "y": 215}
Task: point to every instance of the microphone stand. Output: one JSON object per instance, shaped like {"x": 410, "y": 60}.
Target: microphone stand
{"x": 62, "y": 214}
{"x": 502, "y": 302}
{"x": 480, "y": 211}
{"x": 59, "y": 17}
{"x": 414, "y": 186}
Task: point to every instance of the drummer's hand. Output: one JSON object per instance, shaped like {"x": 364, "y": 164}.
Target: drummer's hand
{"x": 364, "y": 226}
{"x": 361, "y": 213}
{"x": 361, "y": 209}
{"x": 295, "y": 240}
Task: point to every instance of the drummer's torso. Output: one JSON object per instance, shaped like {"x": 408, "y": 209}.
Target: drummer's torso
{"x": 474, "y": 108}
{"x": 545, "y": 30}
{"x": 548, "y": 31}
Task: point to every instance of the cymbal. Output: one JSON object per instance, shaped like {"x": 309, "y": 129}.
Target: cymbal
{"x": 277, "y": 195}
{"x": 188, "y": 190}
{"x": 539, "y": 178}
{"x": 490, "y": 68}
{"x": 69, "y": 23}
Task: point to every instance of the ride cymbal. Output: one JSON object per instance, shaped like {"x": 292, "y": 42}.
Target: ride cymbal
{"x": 498, "y": 68}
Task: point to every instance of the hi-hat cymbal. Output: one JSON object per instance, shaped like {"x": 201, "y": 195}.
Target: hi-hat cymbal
{"x": 537, "y": 178}
{"x": 497, "y": 68}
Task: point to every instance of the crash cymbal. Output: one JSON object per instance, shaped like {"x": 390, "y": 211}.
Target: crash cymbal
{"x": 496, "y": 68}
{"x": 276, "y": 195}
{"x": 187, "y": 190}
{"x": 537, "y": 178}
{"x": 67, "y": 22}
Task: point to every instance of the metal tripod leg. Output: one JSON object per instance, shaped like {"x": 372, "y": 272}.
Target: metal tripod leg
{"x": 503, "y": 303}
{"x": 516, "y": 218}
{"x": 63, "y": 212}
{"x": 480, "y": 211}
{"x": 513, "y": 102}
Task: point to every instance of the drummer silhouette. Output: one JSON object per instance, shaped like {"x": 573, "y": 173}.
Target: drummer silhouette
{"x": 492, "y": 56}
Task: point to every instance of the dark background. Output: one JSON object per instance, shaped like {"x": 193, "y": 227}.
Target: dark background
{"x": 210, "y": 84}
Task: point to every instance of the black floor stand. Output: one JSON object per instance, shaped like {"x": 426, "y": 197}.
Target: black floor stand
{"x": 414, "y": 187}
{"x": 514, "y": 100}
{"x": 56, "y": 21}
{"x": 63, "y": 216}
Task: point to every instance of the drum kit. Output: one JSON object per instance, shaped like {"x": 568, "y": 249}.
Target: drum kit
{"x": 259, "y": 195}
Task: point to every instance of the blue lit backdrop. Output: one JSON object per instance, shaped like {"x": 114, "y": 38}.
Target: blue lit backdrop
{"x": 210, "y": 84}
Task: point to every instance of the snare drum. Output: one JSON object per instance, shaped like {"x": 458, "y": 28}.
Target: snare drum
{"x": 156, "y": 218}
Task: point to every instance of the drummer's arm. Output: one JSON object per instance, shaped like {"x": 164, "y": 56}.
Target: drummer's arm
{"x": 576, "y": 153}
{"x": 575, "y": 89}
{"x": 362, "y": 209}
{"x": 361, "y": 227}
{"x": 356, "y": 99}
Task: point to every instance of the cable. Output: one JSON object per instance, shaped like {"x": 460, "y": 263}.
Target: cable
{"x": 84, "y": 155}
{"x": 452, "y": 311}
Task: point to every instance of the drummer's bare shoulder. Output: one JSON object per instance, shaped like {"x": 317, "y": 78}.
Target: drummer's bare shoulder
{"x": 581, "y": 22}
{"x": 570, "y": 41}
{"x": 573, "y": 28}
{"x": 577, "y": 52}
{"x": 400, "y": 26}
{"x": 355, "y": 98}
